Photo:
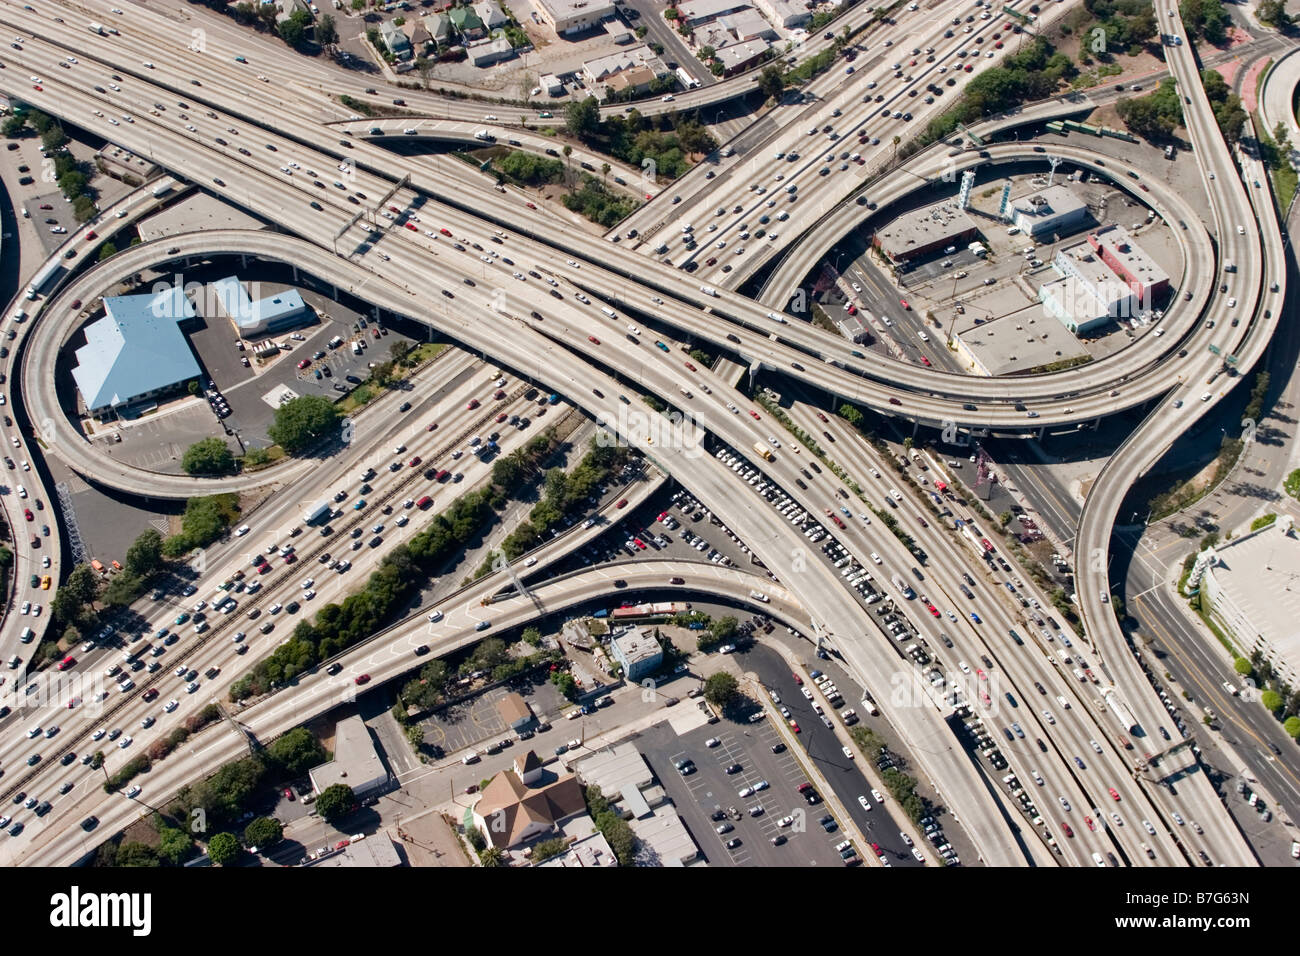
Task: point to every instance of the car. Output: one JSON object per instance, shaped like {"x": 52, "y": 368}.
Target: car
{"x": 361, "y": 679}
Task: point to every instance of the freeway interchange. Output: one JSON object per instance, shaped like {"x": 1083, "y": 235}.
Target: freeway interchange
{"x": 535, "y": 316}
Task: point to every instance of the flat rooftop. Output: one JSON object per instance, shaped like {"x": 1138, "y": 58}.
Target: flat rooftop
{"x": 925, "y": 227}
{"x": 1120, "y": 245}
{"x": 1018, "y": 343}
{"x": 1049, "y": 203}
{"x": 564, "y": 9}
{"x": 1260, "y": 573}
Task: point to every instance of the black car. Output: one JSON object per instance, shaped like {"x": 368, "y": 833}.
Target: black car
{"x": 334, "y": 668}
{"x": 404, "y": 407}
{"x": 317, "y": 206}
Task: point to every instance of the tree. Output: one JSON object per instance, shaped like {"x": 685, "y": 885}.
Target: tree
{"x": 327, "y": 33}
{"x": 123, "y": 589}
{"x": 724, "y": 628}
{"x": 1273, "y": 13}
{"x": 770, "y": 81}
{"x": 144, "y": 556}
{"x": 14, "y": 126}
{"x": 1242, "y": 666}
{"x": 582, "y": 117}
{"x": 336, "y": 802}
{"x": 209, "y": 456}
{"x": 107, "y": 250}
{"x": 1271, "y": 701}
{"x": 1292, "y": 727}
{"x": 568, "y": 163}
{"x": 263, "y": 832}
{"x": 223, "y": 848}
{"x": 415, "y": 735}
{"x": 174, "y": 844}
{"x": 721, "y": 689}
{"x": 297, "y": 751}
{"x": 604, "y": 171}
{"x": 492, "y": 856}
{"x": 302, "y": 421}
{"x": 531, "y": 636}
{"x": 1005, "y": 518}
{"x": 383, "y": 374}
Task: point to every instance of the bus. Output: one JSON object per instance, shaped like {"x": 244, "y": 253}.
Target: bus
{"x": 763, "y": 451}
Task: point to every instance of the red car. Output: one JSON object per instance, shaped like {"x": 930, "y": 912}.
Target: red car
{"x": 853, "y": 309}
{"x": 411, "y": 226}
{"x": 473, "y": 403}
{"x": 530, "y": 205}
{"x": 288, "y": 794}
{"x": 27, "y": 513}
{"x": 499, "y": 394}
{"x": 150, "y": 694}
{"x": 304, "y": 363}
{"x": 392, "y": 208}
{"x": 445, "y": 231}
{"x": 501, "y": 418}
{"x": 593, "y": 340}
{"x": 904, "y": 304}
{"x": 431, "y": 426}
{"x": 794, "y": 725}
{"x": 263, "y": 567}
{"x": 1113, "y": 792}
{"x": 797, "y": 679}
{"x": 1091, "y": 826}
{"x": 622, "y": 503}
{"x": 691, "y": 367}
{"x": 415, "y": 461}
{"x": 969, "y": 67}
{"x": 934, "y": 611}
{"x": 288, "y": 559}
{"x": 754, "y": 415}
{"x": 1066, "y": 827}
{"x": 341, "y": 844}
{"x": 925, "y": 361}
{"x": 822, "y": 417}
{"x": 66, "y": 663}
{"x": 894, "y": 401}
{"x": 92, "y": 234}
{"x": 361, "y": 679}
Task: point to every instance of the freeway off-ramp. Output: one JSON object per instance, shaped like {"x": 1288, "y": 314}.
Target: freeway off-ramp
{"x": 933, "y": 396}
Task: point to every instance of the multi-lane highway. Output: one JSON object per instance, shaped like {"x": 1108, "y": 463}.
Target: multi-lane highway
{"x": 402, "y": 231}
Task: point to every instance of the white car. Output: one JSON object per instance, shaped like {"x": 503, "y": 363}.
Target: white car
{"x": 965, "y": 668}
{"x": 847, "y": 752}
{"x": 124, "y": 743}
{"x": 275, "y": 608}
{"x": 877, "y": 794}
{"x": 862, "y": 801}
{"x": 133, "y": 792}
{"x": 876, "y": 558}
{"x": 242, "y": 530}
{"x": 171, "y": 705}
{"x": 712, "y": 742}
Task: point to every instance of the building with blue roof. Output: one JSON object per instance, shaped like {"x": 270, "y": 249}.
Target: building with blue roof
{"x": 136, "y": 352}
{"x": 269, "y": 316}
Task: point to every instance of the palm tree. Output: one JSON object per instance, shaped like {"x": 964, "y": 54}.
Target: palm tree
{"x": 604, "y": 169}
{"x": 897, "y": 140}
{"x": 568, "y": 164}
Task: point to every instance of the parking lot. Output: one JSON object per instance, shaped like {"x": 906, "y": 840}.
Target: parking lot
{"x": 476, "y": 721}
{"x": 250, "y": 389}
{"x": 709, "y": 797}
